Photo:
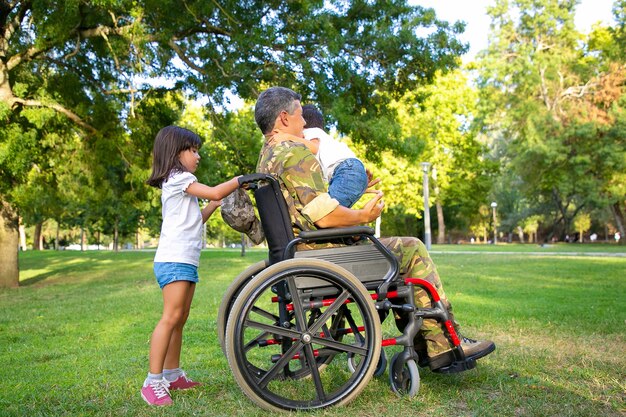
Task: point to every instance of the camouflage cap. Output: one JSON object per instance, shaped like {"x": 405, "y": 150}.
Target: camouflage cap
{"x": 238, "y": 213}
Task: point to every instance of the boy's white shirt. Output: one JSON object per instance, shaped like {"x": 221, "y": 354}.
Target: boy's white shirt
{"x": 331, "y": 152}
{"x": 181, "y": 230}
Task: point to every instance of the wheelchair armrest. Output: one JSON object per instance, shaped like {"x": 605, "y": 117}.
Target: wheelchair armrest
{"x": 335, "y": 233}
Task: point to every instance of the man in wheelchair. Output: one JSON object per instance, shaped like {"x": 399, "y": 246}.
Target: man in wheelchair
{"x": 278, "y": 110}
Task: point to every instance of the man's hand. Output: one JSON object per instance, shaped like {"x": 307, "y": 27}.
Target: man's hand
{"x": 371, "y": 181}
{"x": 374, "y": 207}
{"x": 344, "y": 217}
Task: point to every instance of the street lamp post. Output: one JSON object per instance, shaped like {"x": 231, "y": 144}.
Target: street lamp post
{"x": 495, "y": 228}
{"x": 427, "y": 239}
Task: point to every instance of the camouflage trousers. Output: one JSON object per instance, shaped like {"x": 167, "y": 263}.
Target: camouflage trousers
{"x": 415, "y": 262}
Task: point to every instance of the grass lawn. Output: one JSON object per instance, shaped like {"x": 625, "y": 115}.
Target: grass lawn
{"x": 74, "y": 338}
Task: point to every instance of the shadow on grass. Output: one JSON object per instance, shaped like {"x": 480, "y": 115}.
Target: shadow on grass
{"x": 35, "y": 280}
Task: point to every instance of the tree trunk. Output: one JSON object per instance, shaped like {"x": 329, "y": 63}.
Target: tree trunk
{"x": 56, "y": 236}
{"x": 9, "y": 241}
{"x": 520, "y": 233}
{"x": 82, "y": 239}
{"x": 22, "y": 232}
{"x": 37, "y": 238}
{"x": 243, "y": 244}
{"x": 116, "y": 236}
{"x": 441, "y": 225}
{"x": 619, "y": 220}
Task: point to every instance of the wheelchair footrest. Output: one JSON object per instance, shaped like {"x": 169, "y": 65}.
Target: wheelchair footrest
{"x": 457, "y": 366}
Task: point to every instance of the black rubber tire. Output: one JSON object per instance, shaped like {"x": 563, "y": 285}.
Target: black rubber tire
{"x": 404, "y": 382}
{"x": 275, "y": 385}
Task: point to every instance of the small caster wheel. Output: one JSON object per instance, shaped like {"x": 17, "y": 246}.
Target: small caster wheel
{"x": 404, "y": 378}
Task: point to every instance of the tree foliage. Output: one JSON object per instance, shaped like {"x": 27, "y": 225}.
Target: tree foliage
{"x": 81, "y": 74}
{"x": 552, "y": 103}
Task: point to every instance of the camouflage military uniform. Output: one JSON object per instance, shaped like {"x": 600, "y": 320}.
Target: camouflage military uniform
{"x": 308, "y": 201}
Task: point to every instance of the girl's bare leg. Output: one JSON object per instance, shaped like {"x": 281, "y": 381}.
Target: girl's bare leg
{"x": 176, "y": 299}
{"x": 172, "y": 358}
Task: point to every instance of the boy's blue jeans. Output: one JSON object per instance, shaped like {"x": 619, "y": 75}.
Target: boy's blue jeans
{"x": 349, "y": 182}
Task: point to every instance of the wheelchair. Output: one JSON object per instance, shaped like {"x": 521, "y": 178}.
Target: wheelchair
{"x": 302, "y": 329}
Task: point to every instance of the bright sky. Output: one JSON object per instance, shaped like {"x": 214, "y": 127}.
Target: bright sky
{"x": 473, "y": 13}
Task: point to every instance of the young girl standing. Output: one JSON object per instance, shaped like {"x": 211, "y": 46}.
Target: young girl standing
{"x": 175, "y": 159}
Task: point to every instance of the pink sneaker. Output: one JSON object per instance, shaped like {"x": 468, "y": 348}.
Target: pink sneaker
{"x": 182, "y": 382}
{"x": 157, "y": 393}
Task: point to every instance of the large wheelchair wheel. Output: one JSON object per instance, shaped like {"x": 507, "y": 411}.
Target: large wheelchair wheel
{"x": 283, "y": 336}
{"x": 231, "y": 294}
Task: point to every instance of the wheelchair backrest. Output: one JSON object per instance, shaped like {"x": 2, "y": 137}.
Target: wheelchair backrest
{"x": 275, "y": 218}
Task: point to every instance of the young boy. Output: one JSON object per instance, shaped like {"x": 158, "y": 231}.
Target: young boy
{"x": 346, "y": 175}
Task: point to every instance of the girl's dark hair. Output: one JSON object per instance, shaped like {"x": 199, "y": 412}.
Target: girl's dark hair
{"x": 168, "y": 144}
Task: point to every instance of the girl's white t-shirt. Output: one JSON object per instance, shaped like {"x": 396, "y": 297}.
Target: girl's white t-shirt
{"x": 330, "y": 152}
{"x": 181, "y": 231}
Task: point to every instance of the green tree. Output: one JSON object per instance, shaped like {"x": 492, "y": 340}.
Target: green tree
{"x": 86, "y": 61}
{"x": 582, "y": 223}
{"x": 401, "y": 183}
{"x": 530, "y": 225}
{"x": 548, "y": 108}
{"x": 438, "y": 118}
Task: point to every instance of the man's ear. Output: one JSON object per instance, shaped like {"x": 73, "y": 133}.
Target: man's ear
{"x": 284, "y": 120}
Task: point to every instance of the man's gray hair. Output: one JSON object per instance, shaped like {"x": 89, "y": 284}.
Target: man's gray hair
{"x": 270, "y": 103}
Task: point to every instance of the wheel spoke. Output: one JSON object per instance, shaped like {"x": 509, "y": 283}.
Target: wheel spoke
{"x": 340, "y": 347}
{"x": 265, "y": 313}
{"x": 269, "y": 328}
{"x": 279, "y": 365}
{"x": 297, "y": 304}
{"x": 308, "y": 350}
{"x": 332, "y": 309}
{"x": 354, "y": 327}
{"x": 252, "y": 343}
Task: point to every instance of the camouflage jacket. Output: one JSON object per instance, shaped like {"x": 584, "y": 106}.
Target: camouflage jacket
{"x": 301, "y": 180}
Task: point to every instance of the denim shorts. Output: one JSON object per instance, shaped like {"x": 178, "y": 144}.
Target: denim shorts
{"x": 167, "y": 272}
{"x": 348, "y": 182}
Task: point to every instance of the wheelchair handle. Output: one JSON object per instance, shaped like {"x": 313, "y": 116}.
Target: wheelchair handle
{"x": 251, "y": 178}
